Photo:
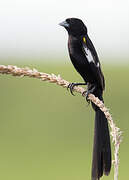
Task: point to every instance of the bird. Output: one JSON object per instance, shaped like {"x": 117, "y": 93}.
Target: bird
{"x": 85, "y": 60}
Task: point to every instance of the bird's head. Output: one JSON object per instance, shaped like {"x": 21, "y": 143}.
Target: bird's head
{"x": 74, "y": 26}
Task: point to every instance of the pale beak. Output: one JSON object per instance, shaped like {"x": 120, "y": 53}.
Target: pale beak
{"x": 64, "y": 24}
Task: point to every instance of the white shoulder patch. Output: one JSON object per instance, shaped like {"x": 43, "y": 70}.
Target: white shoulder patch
{"x": 88, "y": 55}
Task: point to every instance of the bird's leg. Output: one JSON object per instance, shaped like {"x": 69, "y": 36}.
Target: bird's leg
{"x": 71, "y": 86}
{"x": 90, "y": 91}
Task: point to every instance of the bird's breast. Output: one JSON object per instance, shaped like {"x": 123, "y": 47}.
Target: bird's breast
{"x": 74, "y": 45}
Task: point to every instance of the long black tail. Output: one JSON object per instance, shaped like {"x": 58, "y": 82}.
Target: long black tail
{"x": 101, "y": 162}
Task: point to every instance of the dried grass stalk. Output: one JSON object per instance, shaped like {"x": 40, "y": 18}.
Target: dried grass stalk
{"x": 115, "y": 131}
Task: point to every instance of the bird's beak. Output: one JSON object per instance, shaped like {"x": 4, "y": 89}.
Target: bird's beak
{"x": 64, "y": 24}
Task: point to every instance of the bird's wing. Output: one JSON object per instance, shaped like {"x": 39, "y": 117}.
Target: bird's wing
{"x": 92, "y": 58}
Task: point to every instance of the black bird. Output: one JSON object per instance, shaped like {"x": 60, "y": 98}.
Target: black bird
{"x": 85, "y": 60}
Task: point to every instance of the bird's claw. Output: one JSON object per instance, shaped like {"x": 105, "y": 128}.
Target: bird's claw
{"x": 71, "y": 86}
{"x": 84, "y": 93}
{"x": 87, "y": 98}
{"x": 89, "y": 91}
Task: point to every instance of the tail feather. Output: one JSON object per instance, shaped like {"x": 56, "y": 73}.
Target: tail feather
{"x": 101, "y": 162}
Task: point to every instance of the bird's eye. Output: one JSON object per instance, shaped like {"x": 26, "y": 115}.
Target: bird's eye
{"x": 68, "y": 21}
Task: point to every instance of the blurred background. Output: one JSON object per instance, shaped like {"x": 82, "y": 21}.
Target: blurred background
{"x": 45, "y": 133}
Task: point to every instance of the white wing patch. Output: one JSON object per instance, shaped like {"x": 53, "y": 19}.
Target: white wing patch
{"x": 88, "y": 55}
{"x": 98, "y": 64}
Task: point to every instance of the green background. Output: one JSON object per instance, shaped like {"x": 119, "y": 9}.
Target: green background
{"x": 46, "y": 133}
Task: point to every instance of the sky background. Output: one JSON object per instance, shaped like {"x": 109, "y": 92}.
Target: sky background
{"x": 29, "y": 28}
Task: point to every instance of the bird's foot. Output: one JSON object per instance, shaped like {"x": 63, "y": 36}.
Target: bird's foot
{"x": 84, "y": 93}
{"x": 72, "y": 85}
{"x": 90, "y": 91}
{"x": 87, "y": 98}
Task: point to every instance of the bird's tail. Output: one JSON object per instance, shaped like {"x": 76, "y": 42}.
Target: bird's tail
{"x": 101, "y": 162}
